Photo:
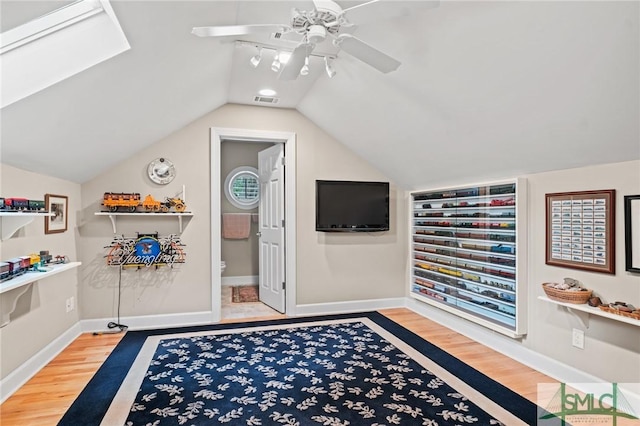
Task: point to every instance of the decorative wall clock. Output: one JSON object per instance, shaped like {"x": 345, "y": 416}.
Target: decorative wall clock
{"x": 161, "y": 171}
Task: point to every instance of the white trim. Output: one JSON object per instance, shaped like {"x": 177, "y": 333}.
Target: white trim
{"x": 349, "y": 306}
{"x": 509, "y": 347}
{"x": 218, "y": 134}
{"x": 18, "y": 377}
{"x": 240, "y": 280}
{"x": 148, "y": 322}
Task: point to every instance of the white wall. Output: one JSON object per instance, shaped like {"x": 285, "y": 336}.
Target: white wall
{"x": 612, "y": 348}
{"x": 331, "y": 268}
{"x": 40, "y": 316}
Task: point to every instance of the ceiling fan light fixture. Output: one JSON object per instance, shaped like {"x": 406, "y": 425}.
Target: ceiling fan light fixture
{"x": 330, "y": 71}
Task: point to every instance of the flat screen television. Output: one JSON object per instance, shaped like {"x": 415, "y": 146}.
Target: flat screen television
{"x": 348, "y": 206}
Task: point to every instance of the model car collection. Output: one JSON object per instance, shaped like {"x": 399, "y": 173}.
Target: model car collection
{"x": 34, "y": 262}
{"x": 16, "y": 204}
{"x": 132, "y": 202}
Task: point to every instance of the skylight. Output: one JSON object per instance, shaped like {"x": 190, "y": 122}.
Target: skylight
{"x": 56, "y": 46}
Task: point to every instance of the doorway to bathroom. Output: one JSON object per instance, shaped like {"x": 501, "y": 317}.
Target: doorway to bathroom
{"x": 254, "y": 243}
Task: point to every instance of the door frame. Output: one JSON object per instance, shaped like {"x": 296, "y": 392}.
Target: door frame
{"x": 219, "y": 134}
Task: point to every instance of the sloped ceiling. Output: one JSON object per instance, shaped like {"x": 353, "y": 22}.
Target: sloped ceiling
{"x": 486, "y": 90}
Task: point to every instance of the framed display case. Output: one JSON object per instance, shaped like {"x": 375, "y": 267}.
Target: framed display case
{"x": 468, "y": 252}
{"x": 632, "y": 232}
{"x": 581, "y": 230}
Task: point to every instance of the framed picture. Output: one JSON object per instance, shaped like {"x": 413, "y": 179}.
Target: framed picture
{"x": 632, "y": 232}
{"x": 580, "y": 230}
{"x": 59, "y": 206}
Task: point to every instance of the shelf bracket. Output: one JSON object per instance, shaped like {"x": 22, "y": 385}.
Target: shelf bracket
{"x": 582, "y": 316}
{"x": 113, "y": 222}
{"x": 10, "y": 224}
{"x": 9, "y": 301}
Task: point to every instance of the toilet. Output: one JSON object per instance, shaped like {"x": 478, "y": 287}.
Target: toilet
{"x": 223, "y": 265}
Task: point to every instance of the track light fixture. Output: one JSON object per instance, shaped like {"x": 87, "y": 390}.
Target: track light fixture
{"x": 282, "y": 56}
{"x": 276, "y": 64}
{"x": 330, "y": 71}
{"x": 305, "y": 68}
{"x": 255, "y": 60}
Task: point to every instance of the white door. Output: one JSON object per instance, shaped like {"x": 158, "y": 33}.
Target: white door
{"x": 271, "y": 227}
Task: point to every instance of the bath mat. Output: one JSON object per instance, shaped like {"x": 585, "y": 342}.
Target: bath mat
{"x": 244, "y": 294}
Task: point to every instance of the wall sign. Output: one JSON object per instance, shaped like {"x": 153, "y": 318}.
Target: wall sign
{"x": 580, "y": 230}
{"x": 145, "y": 250}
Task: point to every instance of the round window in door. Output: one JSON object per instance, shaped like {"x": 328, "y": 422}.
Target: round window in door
{"x": 242, "y": 187}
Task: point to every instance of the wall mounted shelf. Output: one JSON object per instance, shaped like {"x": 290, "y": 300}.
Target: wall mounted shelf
{"x": 22, "y": 283}
{"x": 113, "y": 217}
{"x": 584, "y": 311}
{"x": 10, "y": 222}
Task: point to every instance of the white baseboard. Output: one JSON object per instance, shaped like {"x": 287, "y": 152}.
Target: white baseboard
{"x": 348, "y": 307}
{"x": 513, "y": 349}
{"x": 240, "y": 280}
{"x": 18, "y": 377}
{"x": 150, "y": 321}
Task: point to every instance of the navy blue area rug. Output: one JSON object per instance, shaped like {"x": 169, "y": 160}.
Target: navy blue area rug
{"x": 354, "y": 369}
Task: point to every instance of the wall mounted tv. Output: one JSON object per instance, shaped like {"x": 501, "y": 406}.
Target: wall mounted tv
{"x": 348, "y": 206}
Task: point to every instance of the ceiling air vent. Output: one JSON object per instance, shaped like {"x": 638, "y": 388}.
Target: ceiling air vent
{"x": 266, "y": 99}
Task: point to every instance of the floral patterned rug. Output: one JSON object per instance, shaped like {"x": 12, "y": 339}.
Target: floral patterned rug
{"x": 349, "y": 370}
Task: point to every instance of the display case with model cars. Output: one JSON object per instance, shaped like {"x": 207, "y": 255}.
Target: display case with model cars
{"x": 467, "y": 252}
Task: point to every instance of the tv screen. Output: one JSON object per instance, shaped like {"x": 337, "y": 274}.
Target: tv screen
{"x": 348, "y": 206}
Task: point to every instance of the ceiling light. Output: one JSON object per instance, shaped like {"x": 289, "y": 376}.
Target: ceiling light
{"x": 283, "y": 57}
{"x": 305, "y": 68}
{"x": 267, "y": 92}
{"x": 255, "y": 60}
{"x": 330, "y": 71}
{"x": 276, "y": 64}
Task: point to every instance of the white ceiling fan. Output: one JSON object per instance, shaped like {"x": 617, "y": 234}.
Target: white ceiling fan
{"x": 327, "y": 19}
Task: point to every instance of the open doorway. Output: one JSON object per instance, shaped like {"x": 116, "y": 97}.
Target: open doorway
{"x": 284, "y": 281}
{"x": 247, "y": 244}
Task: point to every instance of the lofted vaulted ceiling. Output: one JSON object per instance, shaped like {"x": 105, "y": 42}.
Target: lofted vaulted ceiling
{"x": 485, "y": 89}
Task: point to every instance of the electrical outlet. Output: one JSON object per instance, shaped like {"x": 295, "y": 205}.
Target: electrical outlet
{"x": 70, "y": 304}
{"x": 577, "y": 339}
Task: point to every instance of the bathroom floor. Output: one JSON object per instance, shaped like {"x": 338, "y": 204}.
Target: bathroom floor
{"x": 232, "y": 310}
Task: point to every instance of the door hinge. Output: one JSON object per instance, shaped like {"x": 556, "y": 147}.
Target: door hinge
{"x": 283, "y": 223}
{"x": 283, "y": 161}
{"x": 284, "y": 285}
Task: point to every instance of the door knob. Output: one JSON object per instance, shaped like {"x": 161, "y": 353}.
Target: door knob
{"x": 259, "y": 234}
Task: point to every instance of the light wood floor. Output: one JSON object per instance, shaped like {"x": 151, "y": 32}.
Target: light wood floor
{"x": 45, "y": 398}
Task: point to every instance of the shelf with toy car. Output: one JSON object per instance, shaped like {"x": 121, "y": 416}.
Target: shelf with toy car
{"x": 466, "y": 252}
{"x": 113, "y": 217}
{"x": 116, "y": 204}
{"x": 12, "y": 289}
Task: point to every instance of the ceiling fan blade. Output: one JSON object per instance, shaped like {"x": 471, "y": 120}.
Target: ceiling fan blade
{"x": 327, "y": 6}
{"x": 236, "y": 30}
{"x": 292, "y": 68}
{"x": 377, "y": 10}
{"x": 367, "y": 54}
